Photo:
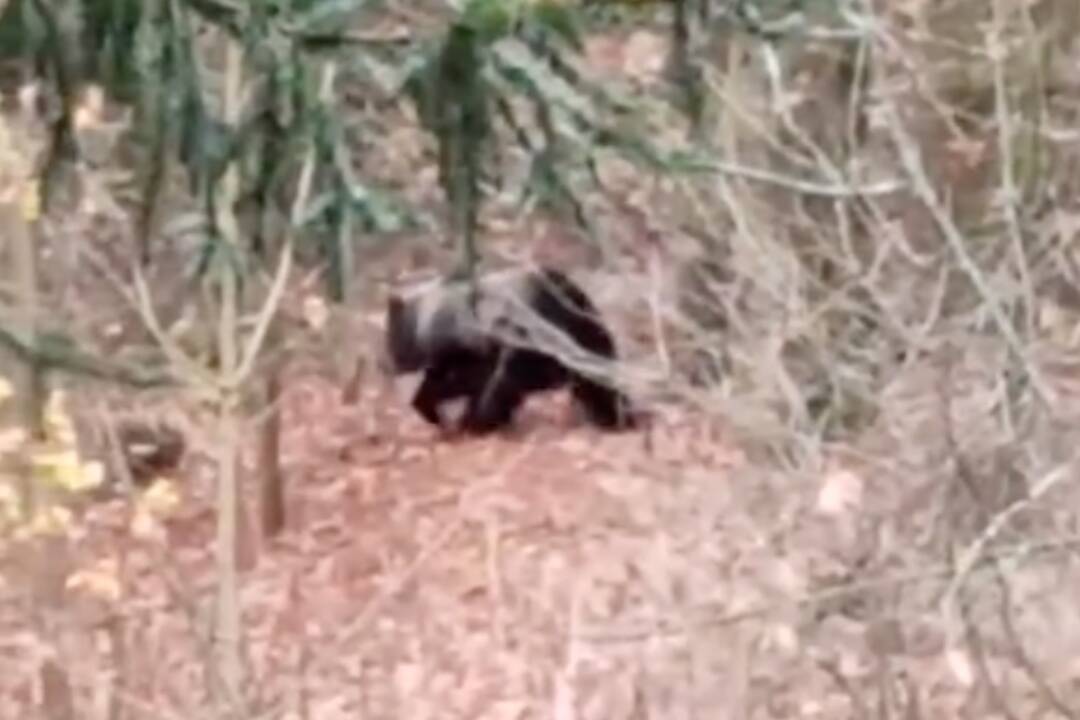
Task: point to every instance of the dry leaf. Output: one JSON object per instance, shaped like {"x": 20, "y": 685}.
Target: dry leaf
{"x": 66, "y": 470}
{"x": 511, "y": 709}
{"x": 102, "y": 580}
{"x": 90, "y": 111}
{"x": 960, "y": 665}
{"x": 11, "y": 439}
{"x": 52, "y": 520}
{"x": 30, "y": 201}
{"x": 315, "y": 312}
{"x": 160, "y": 498}
{"x": 407, "y": 677}
{"x": 644, "y": 54}
{"x": 145, "y": 526}
{"x": 784, "y": 638}
{"x": 10, "y": 507}
{"x": 840, "y": 492}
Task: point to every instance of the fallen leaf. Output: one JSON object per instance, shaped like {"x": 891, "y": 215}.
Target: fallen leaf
{"x": 101, "y": 580}
{"x": 841, "y": 491}
{"x": 960, "y": 665}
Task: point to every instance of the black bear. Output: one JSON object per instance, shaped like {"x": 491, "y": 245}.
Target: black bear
{"x": 500, "y": 338}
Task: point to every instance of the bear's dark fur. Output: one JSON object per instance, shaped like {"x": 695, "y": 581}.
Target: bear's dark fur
{"x": 500, "y": 339}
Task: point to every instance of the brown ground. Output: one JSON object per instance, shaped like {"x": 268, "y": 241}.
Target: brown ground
{"x": 552, "y": 572}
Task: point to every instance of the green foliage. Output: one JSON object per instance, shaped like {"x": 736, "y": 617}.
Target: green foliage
{"x": 56, "y": 352}
{"x": 772, "y": 20}
{"x": 452, "y": 97}
{"x": 88, "y": 40}
{"x": 286, "y": 119}
{"x": 146, "y": 53}
{"x": 507, "y": 66}
{"x": 502, "y": 68}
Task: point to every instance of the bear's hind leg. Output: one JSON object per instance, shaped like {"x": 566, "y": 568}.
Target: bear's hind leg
{"x": 451, "y": 377}
{"x": 496, "y": 396}
{"x": 605, "y": 407}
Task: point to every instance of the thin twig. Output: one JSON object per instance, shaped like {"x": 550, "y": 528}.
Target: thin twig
{"x": 806, "y": 187}
{"x": 976, "y": 551}
{"x": 995, "y": 48}
{"x": 909, "y": 156}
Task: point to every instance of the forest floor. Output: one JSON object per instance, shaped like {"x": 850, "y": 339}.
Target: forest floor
{"x": 552, "y": 571}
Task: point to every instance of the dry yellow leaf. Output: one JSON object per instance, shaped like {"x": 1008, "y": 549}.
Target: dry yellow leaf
{"x": 101, "y": 580}
{"x": 9, "y": 501}
{"x": 53, "y": 520}
{"x": 30, "y": 202}
{"x": 58, "y": 422}
{"x": 160, "y": 498}
{"x": 65, "y": 469}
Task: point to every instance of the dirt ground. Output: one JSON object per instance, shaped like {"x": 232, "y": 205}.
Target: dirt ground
{"x": 550, "y": 572}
